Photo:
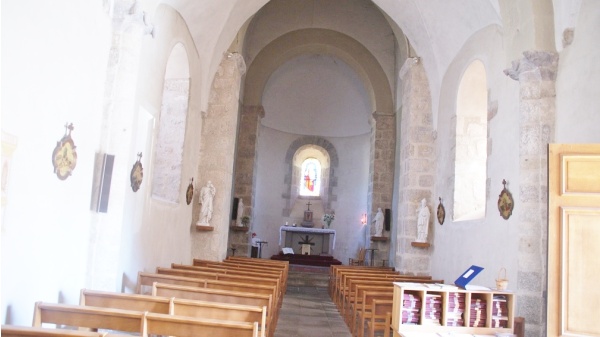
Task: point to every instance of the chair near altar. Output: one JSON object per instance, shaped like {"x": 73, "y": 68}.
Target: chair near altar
{"x": 360, "y": 260}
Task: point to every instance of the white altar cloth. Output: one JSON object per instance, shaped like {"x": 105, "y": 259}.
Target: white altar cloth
{"x": 308, "y": 230}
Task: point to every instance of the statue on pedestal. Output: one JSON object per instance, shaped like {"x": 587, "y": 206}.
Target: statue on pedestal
{"x": 240, "y": 213}
{"x": 207, "y": 193}
{"x": 422, "y": 222}
{"x": 378, "y": 220}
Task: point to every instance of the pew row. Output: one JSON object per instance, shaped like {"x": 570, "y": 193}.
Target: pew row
{"x": 143, "y": 323}
{"x": 222, "y": 296}
{"x": 176, "y": 306}
{"x": 28, "y": 331}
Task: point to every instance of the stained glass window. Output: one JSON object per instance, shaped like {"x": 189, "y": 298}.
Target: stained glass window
{"x": 310, "y": 179}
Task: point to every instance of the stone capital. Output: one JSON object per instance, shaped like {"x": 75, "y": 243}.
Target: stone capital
{"x": 539, "y": 65}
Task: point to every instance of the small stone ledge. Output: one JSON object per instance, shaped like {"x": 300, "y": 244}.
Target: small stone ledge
{"x": 200, "y": 228}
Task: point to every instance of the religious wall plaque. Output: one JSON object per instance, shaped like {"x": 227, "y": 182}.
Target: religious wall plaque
{"x": 137, "y": 174}
{"x": 505, "y": 202}
{"x": 64, "y": 156}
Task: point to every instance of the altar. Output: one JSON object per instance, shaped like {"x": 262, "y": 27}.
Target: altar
{"x": 318, "y": 239}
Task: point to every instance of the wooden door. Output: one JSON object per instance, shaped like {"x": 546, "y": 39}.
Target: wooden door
{"x": 573, "y": 240}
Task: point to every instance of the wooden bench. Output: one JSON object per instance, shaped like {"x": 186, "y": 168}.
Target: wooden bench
{"x": 234, "y": 269}
{"x": 360, "y": 289}
{"x": 28, "y": 331}
{"x": 248, "y": 279}
{"x": 348, "y": 291}
{"x": 144, "y": 323}
{"x": 175, "y": 306}
{"x": 366, "y": 312}
{"x": 381, "y": 317}
{"x": 147, "y": 279}
{"x": 222, "y": 296}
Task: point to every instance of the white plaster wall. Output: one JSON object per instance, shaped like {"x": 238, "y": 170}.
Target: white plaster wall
{"x": 156, "y": 232}
{"x": 359, "y": 19}
{"x": 316, "y": 95}
{"x": 351, "y": 190}
{"x": 489, "y": 242}
{"x": 578, "y": 82}
{"x": 53, "y": 72}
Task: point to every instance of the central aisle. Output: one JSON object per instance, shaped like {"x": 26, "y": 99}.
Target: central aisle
{"x": 309, "y": 312}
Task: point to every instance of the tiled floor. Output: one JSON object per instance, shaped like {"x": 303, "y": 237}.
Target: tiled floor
{"x": 309, "y": 312}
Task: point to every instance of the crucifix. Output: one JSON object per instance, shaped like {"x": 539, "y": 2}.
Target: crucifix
{"x": 308, "y": 217}
{"x": 306, "y": 245}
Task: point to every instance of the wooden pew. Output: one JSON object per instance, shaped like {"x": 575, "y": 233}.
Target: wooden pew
{"x": 334, "y": 270}
{"x": 366, "y": 309}
{"x": 87, "y": 317}
{"x": 167, "y": 325}
{"x": 381, "y": 317}
{"x": 222, "y": 296}
{"x": 235, "y": 269}
{"x": 28, "y": 331}
{"x": 348, "y": 295}
{"x": 143, "y": 323}
{"x": 248, "y": 279}
{"x": 175, "y": 306}
{"x": 244, "y": 262}
{"x": 148, "y": 279}
{"x": 360, "y": 289}
{"x": 284, "y": 265}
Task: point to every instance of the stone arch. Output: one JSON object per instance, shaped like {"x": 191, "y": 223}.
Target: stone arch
{"x": 322, "y": 41}
{"x": 168, "y": 153}
{"x": 330, "y": 176}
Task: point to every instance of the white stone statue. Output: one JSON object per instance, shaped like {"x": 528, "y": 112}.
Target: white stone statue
{"x": 207, "y": 193}
{"x": 422, "y": 222}
{"x": 240, "y": 212}
{"x": 378, "y": 220}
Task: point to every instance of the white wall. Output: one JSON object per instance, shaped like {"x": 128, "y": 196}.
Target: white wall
{"x": 53, "y": 72}
{"x": 577, "y": 88}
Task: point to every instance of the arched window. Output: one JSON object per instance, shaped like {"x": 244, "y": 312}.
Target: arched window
{"x": 310, "y": 180}
{"x": 471, "y": 144}
{"x": 168, "y": 156}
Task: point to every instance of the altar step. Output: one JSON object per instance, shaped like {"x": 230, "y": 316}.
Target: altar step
{"x": 308, "y": 276}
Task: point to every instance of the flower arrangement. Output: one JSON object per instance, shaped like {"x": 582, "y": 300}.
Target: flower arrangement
{"x": 245, "y": 220}
{"x": 328, "y": 218}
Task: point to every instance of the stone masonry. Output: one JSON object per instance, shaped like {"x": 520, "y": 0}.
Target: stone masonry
{"x": 417, "y": 168}
{"x": 220, "y": 119}
{"x": 536, "y": 73}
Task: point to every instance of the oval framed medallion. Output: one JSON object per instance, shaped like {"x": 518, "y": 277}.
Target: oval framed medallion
{"x": 64, "y": 156}
{"x": 137, "y": 174}
{"x": 505, "y": 202}
{"x": 441, "y": 213}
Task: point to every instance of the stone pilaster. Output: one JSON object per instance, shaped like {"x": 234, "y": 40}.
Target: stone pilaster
{"x": 244, "y": 171}
{"x": 536, "y": 73}
{"x": 417, "y": 167}
{"x": 381, "y": 185}
{"x": 219, "y": 126}
{"x": 383, "y": 158}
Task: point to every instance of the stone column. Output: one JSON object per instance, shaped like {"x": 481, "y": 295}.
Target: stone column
{"x": 536, "y": 73}
{"x": 417, "y": 167}
{"x": 244, "y": 172}
{"x": 216, "y": 158}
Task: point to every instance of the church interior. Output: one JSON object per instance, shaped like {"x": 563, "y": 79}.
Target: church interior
{"x": 308, "y": 118}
